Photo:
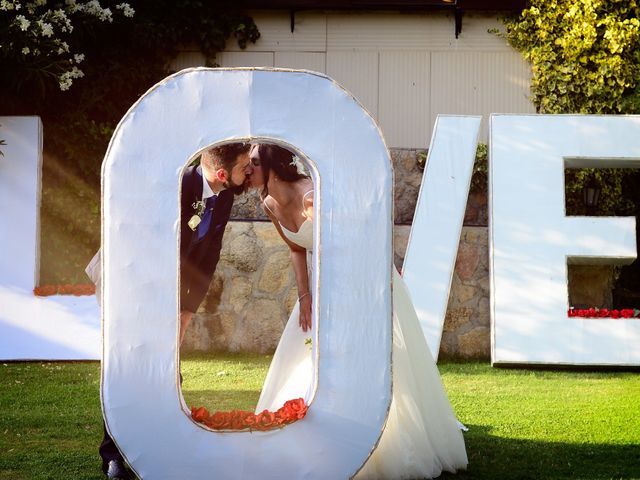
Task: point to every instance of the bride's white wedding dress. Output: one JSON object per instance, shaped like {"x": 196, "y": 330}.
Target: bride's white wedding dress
{"x": 421, "y": 437}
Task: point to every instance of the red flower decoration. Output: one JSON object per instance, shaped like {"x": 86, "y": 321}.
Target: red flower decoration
{"x": 66, "y": 289}
{"x": 291, "y": 411}
{"x": 45, "y": 290}
{"x": 604, "y": 313}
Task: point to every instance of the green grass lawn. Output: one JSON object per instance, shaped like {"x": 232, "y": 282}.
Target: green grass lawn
{"x": 523, "y": 423}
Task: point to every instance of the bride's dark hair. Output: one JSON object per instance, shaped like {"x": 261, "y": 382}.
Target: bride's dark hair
{"x": 281, "y": 161}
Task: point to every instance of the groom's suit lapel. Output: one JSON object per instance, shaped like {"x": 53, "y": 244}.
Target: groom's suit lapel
{"x": 197, "y": 187}
{"x": 220, "y": 209}
{"x": 196, "y": 196}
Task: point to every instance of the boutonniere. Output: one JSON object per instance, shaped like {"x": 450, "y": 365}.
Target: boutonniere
{"x": 195, "y": 220}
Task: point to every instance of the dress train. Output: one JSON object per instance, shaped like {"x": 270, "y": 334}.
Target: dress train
{"x": 421, "y": 437}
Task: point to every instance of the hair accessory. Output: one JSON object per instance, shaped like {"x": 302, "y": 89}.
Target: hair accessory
{"x": 296, "y": 162}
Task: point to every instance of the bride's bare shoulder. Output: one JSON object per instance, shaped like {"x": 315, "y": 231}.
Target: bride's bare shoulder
{"x": 268, "y": 204}
{"x": 307, "y": 204}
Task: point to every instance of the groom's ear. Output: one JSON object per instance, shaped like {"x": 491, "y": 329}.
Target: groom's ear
{"x": 222, "y": 175}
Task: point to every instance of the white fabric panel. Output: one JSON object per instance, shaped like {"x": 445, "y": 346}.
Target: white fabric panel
{"x": 437, "y": 222}
{"x": 358, "y": 73}
{"x": 32, "y": 328}
{"x": 531, "y": 239}
{"x": 353, "y": 179}
{"x": 405, "y": 77}
{"x": 352, "y": 42}
{"x": 245, "y": 59}
{"x": 389, "y": 31}
{"x": 188, "y": 59}
{"x": 309, "y": 33}
{"x": 20, "y": 200}
{"x": 301, "y": 60}
{"x": 479, "y": 83}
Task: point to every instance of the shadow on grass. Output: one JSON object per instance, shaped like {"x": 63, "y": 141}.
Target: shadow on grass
{"x": 492, "y": 457}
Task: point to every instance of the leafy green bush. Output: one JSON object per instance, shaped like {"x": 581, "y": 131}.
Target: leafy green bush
{"x": 585, "y": 58}
{"x": 122, "y": 59}
{"x": 35, "y": 53}
{"x": 585, "y": 55}
{"x": 480, "y": 168}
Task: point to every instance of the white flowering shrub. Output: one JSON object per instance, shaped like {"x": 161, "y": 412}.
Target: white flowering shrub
{"x": 36, "y": 37}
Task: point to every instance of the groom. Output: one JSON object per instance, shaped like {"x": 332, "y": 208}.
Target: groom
{"x": 206, "y": 200}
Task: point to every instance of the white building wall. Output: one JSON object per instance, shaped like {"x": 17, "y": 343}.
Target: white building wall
{"x": 404, "y": 68}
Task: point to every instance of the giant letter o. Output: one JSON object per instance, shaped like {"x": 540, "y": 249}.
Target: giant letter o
{"x": 141, "y": 176}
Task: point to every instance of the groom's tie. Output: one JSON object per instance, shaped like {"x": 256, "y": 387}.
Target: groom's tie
{"x": 205, "y": 223}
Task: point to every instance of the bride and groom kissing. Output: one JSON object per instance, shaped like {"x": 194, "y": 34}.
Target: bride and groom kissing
{"x": 421, "y": 437}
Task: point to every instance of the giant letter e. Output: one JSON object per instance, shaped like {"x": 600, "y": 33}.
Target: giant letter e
{"x": 531, "y": 239}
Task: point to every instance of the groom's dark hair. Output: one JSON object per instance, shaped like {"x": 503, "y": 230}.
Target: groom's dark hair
{"x": 224, "y": 156}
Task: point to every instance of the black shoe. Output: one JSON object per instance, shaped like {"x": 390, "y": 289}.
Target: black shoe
{"x": 117, "y": 471}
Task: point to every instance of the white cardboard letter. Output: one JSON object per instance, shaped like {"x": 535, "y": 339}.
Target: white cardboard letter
{"x": 437, "y": 222}
{"x": 340, "y": 141}
{"x": 531, "y": 239}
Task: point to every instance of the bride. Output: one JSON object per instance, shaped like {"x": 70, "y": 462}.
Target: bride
{"x": 421, "y": 437}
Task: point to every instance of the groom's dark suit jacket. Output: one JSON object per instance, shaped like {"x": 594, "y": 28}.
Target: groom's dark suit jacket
{"x": 198, "y": 258}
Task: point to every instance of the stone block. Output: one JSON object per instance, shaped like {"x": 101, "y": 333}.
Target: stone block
{"x": 475, "y": 235}
{"x": 241, "y": 293}
{"x": 262, "y": 327}
{"x": 467, "y": 261}
{"x": 476, "y": 211}
{"x": 276, "y": 272}
{"x": 242, "y": 252}
{"x": 463, "y": 293}
{"x": 591, "y": 286}
{"x": 227, "y": 323}
{"x": 456, "y": 318}
{"x": 482, "y": 315}
{"x": 233, "y": 229}
{"x": 448, "y": 346}
{"x": 400, "y": 241}
{"x": 476, "y": 343}
{"x": 267, "y": 235}
{"x": 484, "y": 284}
{"x": 248, "y": 206}
{"x": 407, "y": 179}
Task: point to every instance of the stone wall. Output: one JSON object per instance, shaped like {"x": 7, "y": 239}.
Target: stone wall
{"x": 407, "y": 178}
{"x": 467, "y": 324}
{"x": 254, "y": 290}
{"x": 251, "y": 295}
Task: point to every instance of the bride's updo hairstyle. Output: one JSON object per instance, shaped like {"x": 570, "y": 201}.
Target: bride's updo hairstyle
{"x": 283, "y": 163}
